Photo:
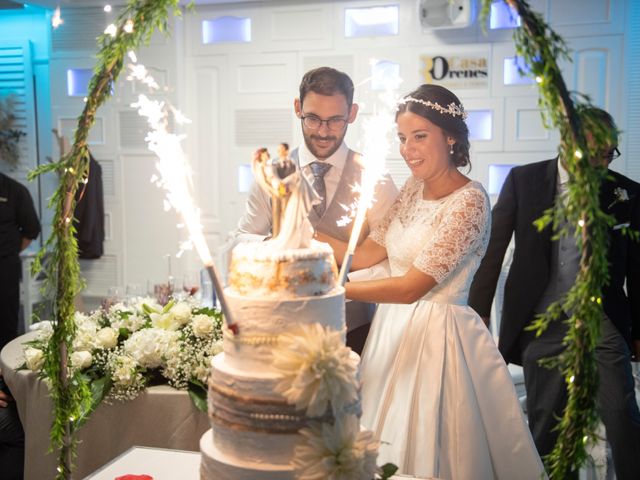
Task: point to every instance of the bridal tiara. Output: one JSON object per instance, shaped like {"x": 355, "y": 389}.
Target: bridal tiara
{"x": 452, "y": 109}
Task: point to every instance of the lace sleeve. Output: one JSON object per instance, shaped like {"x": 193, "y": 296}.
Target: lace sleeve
{"x": 379, "y": 233}
{"x": 463, "y": 224}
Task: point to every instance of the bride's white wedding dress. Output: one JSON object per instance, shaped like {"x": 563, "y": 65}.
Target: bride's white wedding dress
{"x": 435, "y": 388}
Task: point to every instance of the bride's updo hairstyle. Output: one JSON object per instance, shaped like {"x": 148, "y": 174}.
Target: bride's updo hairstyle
{"x": 442, "y": 108}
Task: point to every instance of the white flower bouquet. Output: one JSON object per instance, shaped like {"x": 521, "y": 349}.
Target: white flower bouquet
{"x": 125, "y": 348}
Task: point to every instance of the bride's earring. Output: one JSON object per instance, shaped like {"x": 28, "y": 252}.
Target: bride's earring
{"x": 451, "y": 148}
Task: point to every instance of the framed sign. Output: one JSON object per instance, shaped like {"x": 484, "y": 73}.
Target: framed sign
{"x": 455, "y": 71}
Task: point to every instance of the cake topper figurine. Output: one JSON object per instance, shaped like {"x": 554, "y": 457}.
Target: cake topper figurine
{"x": 292, "y": 198}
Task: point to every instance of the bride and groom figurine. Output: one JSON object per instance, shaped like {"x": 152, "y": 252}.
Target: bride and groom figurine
{"x": 292, "y": 198}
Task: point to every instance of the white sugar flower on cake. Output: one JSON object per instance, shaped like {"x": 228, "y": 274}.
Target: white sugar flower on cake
{"x": 338, "y": 452}
{"x": 317, "y": 370}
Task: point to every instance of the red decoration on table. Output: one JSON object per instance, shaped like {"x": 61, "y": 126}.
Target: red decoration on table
{"x": 129, "y": 476}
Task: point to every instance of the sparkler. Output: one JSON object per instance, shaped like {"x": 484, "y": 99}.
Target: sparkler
{"x": 376, "y": 148}
{"x": 174, "y": 176}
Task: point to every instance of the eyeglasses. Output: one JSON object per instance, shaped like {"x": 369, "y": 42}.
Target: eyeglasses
{"x": 314, "y": 123}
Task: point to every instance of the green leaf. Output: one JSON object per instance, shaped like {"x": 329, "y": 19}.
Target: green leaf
{"x": 198, "y": 395}
{"x": 168, "y": 306}
{"x": 388, "y": 470}
{"x": 99, "y": 390}
{"x": 147, "y": 309}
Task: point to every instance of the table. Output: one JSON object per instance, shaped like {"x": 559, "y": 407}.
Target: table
{"x": 160, "y": 417}
{"x": 159, "y": 463}
{"x": 163, "y": 464}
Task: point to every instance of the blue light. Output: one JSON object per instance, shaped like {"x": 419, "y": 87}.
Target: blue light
{"x": 78, "y": 81}
{"x": 497, "y": 175}
{"x": 226, "y": 29}
{"x": 371, "y": 21}
{"x": 480, "y": 123}
{"x": 245, "y": 178}
{"x": 512, "y": 68}
{"x": 503, "y": 16}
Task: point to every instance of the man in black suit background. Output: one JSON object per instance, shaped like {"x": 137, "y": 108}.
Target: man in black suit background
{"x": 542, "y": 271}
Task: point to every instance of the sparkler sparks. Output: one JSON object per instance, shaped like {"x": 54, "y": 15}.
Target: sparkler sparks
{"x": 174, "y": 176}
{"x": 376, "y": 148}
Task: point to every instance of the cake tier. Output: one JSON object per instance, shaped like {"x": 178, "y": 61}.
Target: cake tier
{"x": 261, "y": 320}
{"x": 236, "y": 463}
{"x": 257, "y": 271}
{"x": 242, "y": 400}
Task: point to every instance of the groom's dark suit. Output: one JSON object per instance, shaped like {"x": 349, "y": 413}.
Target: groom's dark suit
{"x": 541, "y": 272}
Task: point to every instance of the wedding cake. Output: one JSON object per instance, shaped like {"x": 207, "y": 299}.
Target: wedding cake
{"x": 254, "y": 428}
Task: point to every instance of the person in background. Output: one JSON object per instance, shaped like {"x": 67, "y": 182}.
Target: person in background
{"x": 19, "y": 225}
{"x": 325, "y": 109}
{"x": 435, "y": 389}
{"x": 542, "y": 271}
{"x": 11, "y": 437}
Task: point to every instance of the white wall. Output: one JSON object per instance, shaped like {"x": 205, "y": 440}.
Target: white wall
{"x": 240, "y": 97}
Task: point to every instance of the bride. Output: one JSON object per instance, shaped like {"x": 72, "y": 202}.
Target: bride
{"x": 435, "y": 389}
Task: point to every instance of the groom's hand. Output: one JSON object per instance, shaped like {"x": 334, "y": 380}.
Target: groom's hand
{"x": 4, "y": 399}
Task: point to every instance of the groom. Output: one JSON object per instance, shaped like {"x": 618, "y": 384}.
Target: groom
{"x": 542, "y": 271}
{"x": 325, "y": 108}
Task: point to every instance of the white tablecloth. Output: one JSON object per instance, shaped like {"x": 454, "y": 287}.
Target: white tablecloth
{"x": 161, "y": 417}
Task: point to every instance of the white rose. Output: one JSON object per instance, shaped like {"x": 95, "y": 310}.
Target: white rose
{"x": 202, "y": 325}
{"x": 81, "y": 359}
{"x": 34, "y": 358}
{"x": 182, "y": 312}
{"x": 107, "y": 337}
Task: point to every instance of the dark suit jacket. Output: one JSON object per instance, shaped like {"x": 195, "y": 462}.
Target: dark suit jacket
{"x": 527, "y": 192}
{"x": 89, "y": 214}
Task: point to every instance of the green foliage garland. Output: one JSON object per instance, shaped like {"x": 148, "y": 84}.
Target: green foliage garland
{"x": 71, "y": 395}
{"x": 541, "y": 48}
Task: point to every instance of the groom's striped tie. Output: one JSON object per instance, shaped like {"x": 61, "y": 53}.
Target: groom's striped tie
{"x": 319, "y": 170}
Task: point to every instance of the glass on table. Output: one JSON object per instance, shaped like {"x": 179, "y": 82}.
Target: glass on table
{"x": 114, "y": 295}
{"x": 134, "y": 290}
{"x": 190, "y": 284}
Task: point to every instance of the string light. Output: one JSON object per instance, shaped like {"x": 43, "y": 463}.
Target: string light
{"x": 111, "y": 30}
{"x": 581, "y": 223}
{"x": 107, "y": 8}
{"x": 578, "y": 154}
{"x": 128, "y": 26}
